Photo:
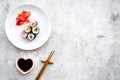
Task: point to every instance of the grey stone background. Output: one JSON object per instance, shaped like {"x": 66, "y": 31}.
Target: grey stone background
{"x": 86, "y": 37}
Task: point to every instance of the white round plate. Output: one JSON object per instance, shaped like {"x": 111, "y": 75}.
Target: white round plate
{"x": 13, "y": 32}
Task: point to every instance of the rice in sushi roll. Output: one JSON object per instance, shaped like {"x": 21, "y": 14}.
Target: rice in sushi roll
{"x": 33, "y": 23}
{"x": 35, "y": 30}
{"x": 24, "y": 34}
{"x": 27, "y": 29}
{"x": 31, "y": 36}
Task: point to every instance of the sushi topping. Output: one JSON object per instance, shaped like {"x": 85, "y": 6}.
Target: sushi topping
{"x": 35, "y": 30}
{"x": 22, "y": 17}
{"x": 31, "y": 36}
{"x": 33, "y": 23}
{"x": 31, "y": 32}
{"x": 24, "y": 34}
{"x": 28, "y": 29}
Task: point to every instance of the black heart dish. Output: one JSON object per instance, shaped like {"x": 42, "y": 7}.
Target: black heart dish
{"x": 24, "y": 65}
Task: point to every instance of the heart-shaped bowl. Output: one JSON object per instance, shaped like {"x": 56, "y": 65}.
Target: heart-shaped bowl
{"x": 24, "y": 65}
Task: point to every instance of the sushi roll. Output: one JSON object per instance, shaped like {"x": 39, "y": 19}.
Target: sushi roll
{"x": 24, "y": 34}
{"x": 33, "y": 23}
{"x": 35, "y": 30}
{"x": 27, "y": 29}
{"x": 31, "y": 36}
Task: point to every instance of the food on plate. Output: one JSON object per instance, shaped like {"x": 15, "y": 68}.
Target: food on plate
{"x": 35, "y": 30}
{"x": 30, "y": 32}
{"x": 22, "y": 17}
{"x": 24, "y": 34}
{"x": 33, "y": 23}
{"x": 31, "y": 36}
{"x": 27, "y": 29}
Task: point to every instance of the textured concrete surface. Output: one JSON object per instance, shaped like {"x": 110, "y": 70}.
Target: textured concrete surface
{"x": 86, "y": 37}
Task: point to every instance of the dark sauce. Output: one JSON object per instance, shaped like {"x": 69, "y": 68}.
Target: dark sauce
{"x": 25, "y": 65}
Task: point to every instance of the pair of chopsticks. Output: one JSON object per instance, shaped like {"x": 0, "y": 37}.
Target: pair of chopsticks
{"x": 45, "y": 65}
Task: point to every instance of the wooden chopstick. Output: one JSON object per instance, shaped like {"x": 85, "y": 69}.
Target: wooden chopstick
{"x": 44, "y": 66}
